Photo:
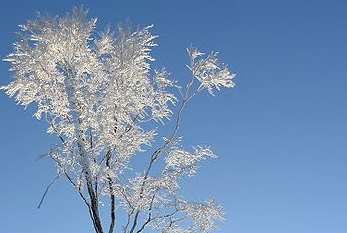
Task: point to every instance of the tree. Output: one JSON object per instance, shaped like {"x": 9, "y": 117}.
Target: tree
{"x": 99, "y": 96}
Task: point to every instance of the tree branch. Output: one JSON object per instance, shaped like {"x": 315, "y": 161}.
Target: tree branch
{"x": 46, "y": 191}
{"x": 157, "y": 152}
{"x": 112, "y": 197}
{"x": 149, "y": 218}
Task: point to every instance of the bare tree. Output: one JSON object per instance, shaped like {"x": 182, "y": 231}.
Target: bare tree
{"x": 101, "y": 99}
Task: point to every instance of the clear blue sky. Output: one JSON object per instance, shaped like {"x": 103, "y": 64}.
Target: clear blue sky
{"x": 281, "y": 133}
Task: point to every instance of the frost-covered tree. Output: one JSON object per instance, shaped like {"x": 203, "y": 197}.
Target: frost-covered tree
{"x": 100, "y": 97}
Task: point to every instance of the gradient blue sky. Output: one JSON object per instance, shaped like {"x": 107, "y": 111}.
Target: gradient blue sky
{"x": 281, "y": 134}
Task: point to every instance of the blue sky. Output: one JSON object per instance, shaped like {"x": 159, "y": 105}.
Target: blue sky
{"x": 281, "y": 133}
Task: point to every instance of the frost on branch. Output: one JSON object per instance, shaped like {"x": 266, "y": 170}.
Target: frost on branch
{"x": 100, "y": 97}
{"x": 208, "y": 70}
{"x": 181, "y": 162}
{"x": 203, "y": 215}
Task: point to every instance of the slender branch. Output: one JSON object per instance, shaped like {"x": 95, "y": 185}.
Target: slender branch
{"x": 178, "y": 120}
{"x": 73, "y": 183}
{"x": 113, "y": 204}
{"x": 46, "y": 191}
{"x": 157, "y": 152}
{"x": 55, "y": 130}
{"x": 149, "y": 218}
{"x": 94, "y": 207}
{"x": 78, "y": 189}
{"x": 135, "y": 221}
{"x": 166, "y": 216}
{"x": 84, "y": 200}
{"x": 125, "y": 228}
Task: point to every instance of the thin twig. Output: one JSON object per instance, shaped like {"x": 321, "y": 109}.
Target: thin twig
{"x": 46, "y": 191}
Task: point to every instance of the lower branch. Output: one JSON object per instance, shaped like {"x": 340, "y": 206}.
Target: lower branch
{"x": 113, "y": 202}
{"x": 135, "y": 221}
{"x": 46, "y": 191}
{"x": 94, "y": 207}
